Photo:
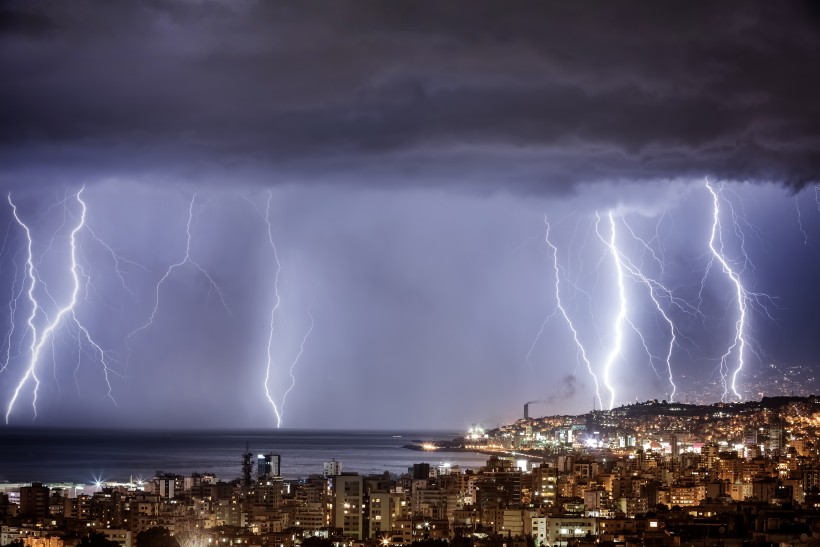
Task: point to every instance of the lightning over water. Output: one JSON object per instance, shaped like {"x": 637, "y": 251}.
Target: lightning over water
{"x": 277, "y": 301}
{"x": 66, "y": 316}
{"x": 51, "y": 312}
{"x": 270, "y": 368}
{"x": 186, "y": 259}
{"x": 296, "y": 359}
{"x": 119, "y": 263}
{"x": 12, "y": 313}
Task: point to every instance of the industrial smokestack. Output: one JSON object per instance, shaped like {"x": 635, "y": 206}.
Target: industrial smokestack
{"x": 527, "y": 408}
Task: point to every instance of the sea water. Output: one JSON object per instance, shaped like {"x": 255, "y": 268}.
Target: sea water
{"x": 83, "y": 456}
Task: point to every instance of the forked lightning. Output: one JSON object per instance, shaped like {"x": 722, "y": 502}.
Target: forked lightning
{"x": 66, "y": 314}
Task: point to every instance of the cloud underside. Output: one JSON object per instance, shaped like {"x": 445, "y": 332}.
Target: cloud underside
{"x": 534, "y": 98}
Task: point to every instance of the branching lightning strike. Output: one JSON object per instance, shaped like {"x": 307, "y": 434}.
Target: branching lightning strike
{"x": 296, "y": 359}
{"x": 744, "y": 298}
{"x": 118, "y": 260}
{"x": 185, "y": 260}
{"x": 559, "y": 307}
{"x": 657, "y": 291}
{"x": 800, "y": 221}
{"x": 12, "y": 307}
{"x": 277, "y": 301}
{"x": 648, "y": 269}
{"x": 66, "y": 314}
{"x": 621, "y": 315}
{"x": 278, "y": 409}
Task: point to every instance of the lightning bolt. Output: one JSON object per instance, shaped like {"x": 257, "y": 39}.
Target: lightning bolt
{"x": 278, "y": 409}
{"x": 277, "y": 301}
{"x": 642, "y": 270}
{"x": 657, "y": 292}
{"x": 118, "y": 261}
{"x": 182, "y": 262}
{"x": 32, "y": 327}
{"x": 744, "y": 298}
{"x": 65, "y": 315}
{"x": 657, "y": 288}
{"x": 800, "y": 221}
{"x": 816, "y": 189}
{"x": 559, "y": 307}
{"x": 296, "y": 359}
{"x": 621, "y": 315}
{"x": 12, "y": 306}
{"x": 5, "y": 241}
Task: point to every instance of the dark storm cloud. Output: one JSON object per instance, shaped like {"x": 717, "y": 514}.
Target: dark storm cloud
{"x": 535, "y": 97}
{"x": 17, "y": 21}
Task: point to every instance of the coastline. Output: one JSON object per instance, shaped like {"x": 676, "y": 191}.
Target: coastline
{"x": 447, "y": 446}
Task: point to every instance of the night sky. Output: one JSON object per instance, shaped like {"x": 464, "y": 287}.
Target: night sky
{"x": 386, "y": 172}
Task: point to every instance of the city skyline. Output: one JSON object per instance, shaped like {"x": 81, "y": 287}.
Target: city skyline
{"x": 409, "y": 216}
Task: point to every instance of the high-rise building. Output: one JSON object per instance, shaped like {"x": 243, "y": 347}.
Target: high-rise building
{"x": 385, "y": 508}
{"x": 775, "y": 438}
{"x": 544, "y": 483}
{"x": 750, "y": 436}
{"x": 332, "y": 468}
{"x": 247, "y": 467}
{"x": 421, "y": 471}
{"x": 348, "y": 498}
{"x": 268, "y": 465}
{"x": 267, "y": 493}
{"x": 167, "y": 485}
{"x": 34, "y": 500}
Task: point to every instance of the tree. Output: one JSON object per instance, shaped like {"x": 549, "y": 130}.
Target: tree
{"x": 156, "y": 537}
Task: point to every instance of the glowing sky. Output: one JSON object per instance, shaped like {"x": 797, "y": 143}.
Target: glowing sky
{"x": 409, "y": 153}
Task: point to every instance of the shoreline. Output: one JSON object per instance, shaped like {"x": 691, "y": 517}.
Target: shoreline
{"x": 421, "y": 447}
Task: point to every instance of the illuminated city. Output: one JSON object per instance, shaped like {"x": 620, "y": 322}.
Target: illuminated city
{"x": 659, "y": 472}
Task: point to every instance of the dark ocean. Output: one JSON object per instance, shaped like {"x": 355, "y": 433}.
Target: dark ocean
{"x": 61, "y": 455}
